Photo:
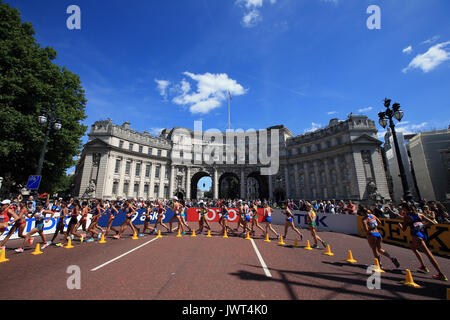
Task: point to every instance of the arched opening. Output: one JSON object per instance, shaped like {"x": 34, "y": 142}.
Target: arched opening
{"x": 229, "y": 186}
{"x": 257, "y": 186}
{"x": 201, "y": 182}
{"x": 180, "y": 195}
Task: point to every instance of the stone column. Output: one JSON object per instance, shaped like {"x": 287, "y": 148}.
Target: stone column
{"x": 307, "y": 181}
{"x": 162, "y": 180}
{"x": 142, "y": 181}
{"x": 188, "y": 183}
{"x": 86, "y": 174}
{"x": 297, "y": 183}
{"x": 316, "y": 173}
{"x": 109, "y": 177}
{"x": 123, "y": 164}
{"x": 216, "y": 185}
{"x": 130, "y": 194}
{"x": 355, "y": 188}
{"x": 338, "y": 179}
{"x": 172, "y": 180}
{"x": 152, "y": 181}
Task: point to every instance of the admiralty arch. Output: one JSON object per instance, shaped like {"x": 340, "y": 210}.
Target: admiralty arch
{"x": 340, "y": 161}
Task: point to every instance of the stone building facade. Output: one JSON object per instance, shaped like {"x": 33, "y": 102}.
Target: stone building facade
{"x": 340, "y": 161}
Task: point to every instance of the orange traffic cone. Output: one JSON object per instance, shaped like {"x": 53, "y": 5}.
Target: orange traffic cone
{"x": 296, "y": 243}
{"x": 225, "y": 235}
{"x": 179, "y": 234}
{"x": 135, "y": 237}
{"x": 3, "y": 256}
{"x": 350, "y": 257}
{"x": 248, "y": 236}
{"x": 69, "y": 244}
{"x": 209, "y": 234}
{"x": 377, "y": 264}
{"x": 193, "y": 233}
{"x": 308, "y": 246}
{"x": 37, "y": 250}
{"x": 409, "y": 280}
{"x": 328, "y": 252}
{"x": 281, "y": 241}
{"x": 159, "y": 234}
{"x": 267, "y": 238}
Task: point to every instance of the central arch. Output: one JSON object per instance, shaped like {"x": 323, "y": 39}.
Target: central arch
{"x": 194, "y": 182}
{"x": 229, "y": 186}
{"x": 259, "y": 184}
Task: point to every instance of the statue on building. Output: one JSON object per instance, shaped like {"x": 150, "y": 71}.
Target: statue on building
{"x": 90, "y": 190}
{"x": 372, "y": 191}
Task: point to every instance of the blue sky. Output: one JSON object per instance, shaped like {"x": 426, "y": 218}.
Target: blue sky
{"x": 160, "y": 64}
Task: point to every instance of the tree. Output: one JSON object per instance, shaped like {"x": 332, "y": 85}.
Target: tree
{"x": 30, "y": 82}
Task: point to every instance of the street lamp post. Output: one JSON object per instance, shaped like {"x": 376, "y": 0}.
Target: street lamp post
{"x": 51, "y": 119}
{"x": 389, "y": 114}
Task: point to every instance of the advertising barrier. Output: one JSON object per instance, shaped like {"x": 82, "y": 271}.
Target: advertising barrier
{"x": 213, "y": 215}
{"x": 438, "y": 235}
{"x": 325, "y": 221}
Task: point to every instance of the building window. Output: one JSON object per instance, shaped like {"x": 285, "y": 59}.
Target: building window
{"x": 166, "y": 173}
{"x": 308, "y": 149}
{"x": 126, "y": 186}
{"x": 117, "y": 168}
{"x": 180, "y": 169}
{"x": 181, "y": 154}
{"x": 115, "y": 187}
{"x": 166, "y": 192}
{"x": 318, "y": 147}
{"x": 156, "y": 191}
{"x": 138, "y": 170}
{"x": 141, "y": 148}
{"x": 131, "y": 147}
{"x": 120, "y": 144}
{"x": 150, "y": 151}
{"x": 159, "y": 153}
{"x": 147, "y": 171}
{"x": 328, "y": 144}
{"x": 146, "y": 189}
{"x": 136, "y": 190}
{"x": 128, "y": 167}
{"x": 158, "y": 169}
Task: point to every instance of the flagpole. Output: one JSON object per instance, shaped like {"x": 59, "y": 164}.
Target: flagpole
{"x": 229, "y": 111}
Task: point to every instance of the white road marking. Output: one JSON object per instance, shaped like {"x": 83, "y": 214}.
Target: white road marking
{"x": 123, "y": 255}
{"x": 261, "y": 260}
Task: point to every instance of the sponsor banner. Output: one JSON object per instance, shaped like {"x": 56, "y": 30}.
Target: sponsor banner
{"x": 438, "y": 235}
{"x": 50, "y": 226}
{"x": 325, "y": 221}
{"x": 213, "y": 214}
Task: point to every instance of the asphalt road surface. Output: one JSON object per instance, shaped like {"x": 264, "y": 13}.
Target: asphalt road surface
{"x": 201, "y": 268}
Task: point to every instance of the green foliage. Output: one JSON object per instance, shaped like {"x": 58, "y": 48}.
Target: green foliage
{"x": 30, "y": 82}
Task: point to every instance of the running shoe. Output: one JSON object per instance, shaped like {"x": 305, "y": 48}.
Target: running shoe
{"x": 324, "y": 244}
{"x": 423, "y": 269}
{"x": 116, "y": 236}
{"x": 395, "y": 262}
{"x": 99, "y": 236}
{"x": 90, "y": 240}
{"x": 2, "y": 248}
{"x": 183, "y": 233}
{"x": 440, "y": 277}
{"x": 141, "y": 235}
{"x": 81, "y": 239}
{"x": 45, "y": 245}
{"x": 19, "y": 250}
{"x": 30, "y": 241}
{"x": 314, "y": 246}
{"x": 58, "y": 244}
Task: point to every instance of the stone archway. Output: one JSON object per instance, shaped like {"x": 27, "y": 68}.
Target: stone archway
{"x": 194, "y": 181}
{"x": 229, "y": 186}
{"x": 257, "y": 186}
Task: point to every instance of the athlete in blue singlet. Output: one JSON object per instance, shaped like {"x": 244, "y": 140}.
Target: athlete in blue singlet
{"x": 414, "y": 220}
{"x": 370, "y": 225}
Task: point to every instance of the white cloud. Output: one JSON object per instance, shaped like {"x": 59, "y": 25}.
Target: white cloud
{"x": 332, "y": 112}
{"x": 406, "y": 128}
{"x": 314, "y": 127}
{"x": 363, "y": 110}
{"x": 431, "y": 59}
{"x": 407, "y": 50}
{"x": 252, "y": 14}
{"x": 156, "y": 131}
{"x": 432, "y": 40}
{"x": 211, "y": 91}
{"x": 162, "y": 87}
